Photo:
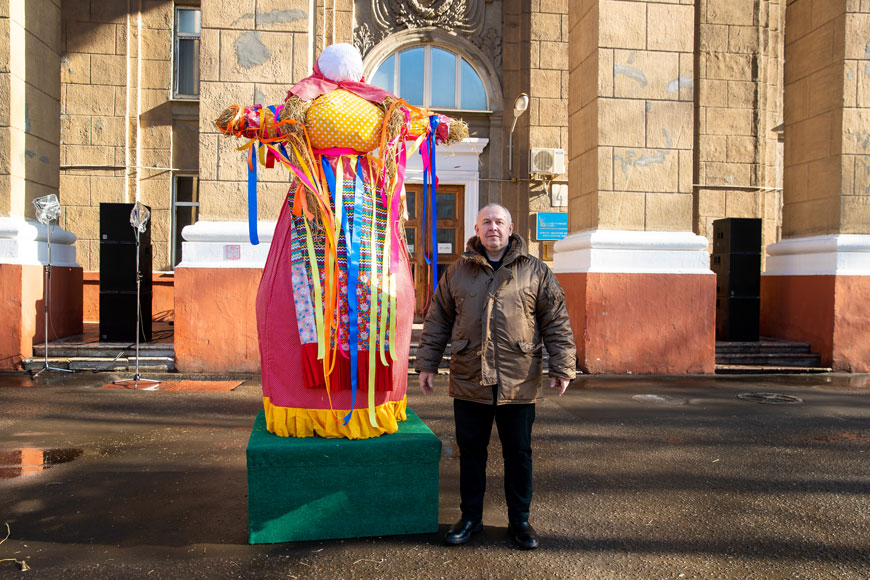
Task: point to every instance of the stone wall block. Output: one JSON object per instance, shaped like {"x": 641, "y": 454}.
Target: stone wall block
{"x": 107, "y": 130}
{"x": 622, "y": 24}
{"x": 215, "y": 97}
{"x": 42, "y": 112}
{"x": 815, "y": 217}
{"x": 555, "y": 55}
{"x": 687, "y": 171}
{"x": 743, "y": 39}
{"x": 545, "y": 137}
{"x": 713, "y": 93}
{"x": 289, "y": 16}
{"x": 825, "y": 11}
{"x": 668, "y": 212}
{"x": 156, "y": 191}
{"x": 854, "y": 210}
{"x": 737, "y": 174}
{"x": 92, "y": 37}
{"x": 75, "y": 129}
{"x": 827, "y": 90}
{"x": 219, "y": 14}
{"x": 545, "y": 83}
{"x": 301, "y": 66}
{"x": 728, "y": 121}
{"x": 109, "y": 69}
{"x": 589, "y": 172}
{"x": 603, "y": 61}
{"x": 583, "y": 213}
{"x": 248, "y": 55}
{"x": 741, "y": 148}
{"x": 157, "y": 13}
{"x": 669, "y": 125}
{"x": 88, "y": 155}
{"x": 671, "y": 28}
{"x": 75, "y": 68}
{"x": 711, "y": 203}
{"x": 739, "y": 12}
{"x": 742, "y": 204}
{"x": 713, "y": 148}
{"x": 618, "y": 210}
{"x": 546, "y": 27}
{"x": 796, "y": 101}
{"x": 742, "y": 95}
{"x": 74, "y": 190}
{"x": 604, "y": 170}
{"x": 621, "y": 122}
{"x": 208, "y": 155}
{"x": 89, "y": 100}
{"x": 589, "y": 29}
{"x": 856, "y": 127}
{"x": 730, "y": 67}
{"x": 223, "y": 200}
{"x": 106, "y": 189}
{"x": 84, "y": 221}
{"x": 156, "y": 74}
{"x": 156, "y": 44}
{"x": 645, "y": 170}
{"x": 811, "y": 53}
{"x": 553, "y": 112}
{"x": 713, "y": 38}
{"x": 646, "y": 75}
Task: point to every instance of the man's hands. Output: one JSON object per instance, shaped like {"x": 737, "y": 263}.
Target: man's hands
{"x": 426, "y": 380}
{"x": 555, "y": 383}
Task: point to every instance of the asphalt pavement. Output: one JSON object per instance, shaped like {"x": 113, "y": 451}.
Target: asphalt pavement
{"x": 636, "y": 477}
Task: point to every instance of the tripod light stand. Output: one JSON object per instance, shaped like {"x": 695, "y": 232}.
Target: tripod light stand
{"x": 139, "y": 220}
{"x": 47, "y": 209}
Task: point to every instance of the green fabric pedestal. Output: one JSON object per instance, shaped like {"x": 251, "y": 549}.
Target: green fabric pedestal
{"x": 313, "y": 488}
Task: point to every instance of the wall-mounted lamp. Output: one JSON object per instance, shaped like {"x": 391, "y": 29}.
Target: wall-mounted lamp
{"x": 521, "y": 103}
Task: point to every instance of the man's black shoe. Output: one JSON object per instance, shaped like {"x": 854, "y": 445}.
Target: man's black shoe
{"x": 523, "y": 535}
{"x": 460, "y": 532}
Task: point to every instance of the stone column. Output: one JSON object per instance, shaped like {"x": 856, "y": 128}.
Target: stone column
{"x": 254, "y": 62}
{"x": 639, "y": 288}
{"x": 816, "y": 287}
{"x": 29, "y": 159}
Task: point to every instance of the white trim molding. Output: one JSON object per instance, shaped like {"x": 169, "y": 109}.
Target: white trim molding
{"x": 25, "y": 242}
{"x": 830, "y": 255}
{"x": 225, "y": 245}
{"x": 632, "y": 252}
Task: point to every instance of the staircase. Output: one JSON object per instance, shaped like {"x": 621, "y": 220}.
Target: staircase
{"x": 85, "y": 352}
{"x": 768, "y": 355}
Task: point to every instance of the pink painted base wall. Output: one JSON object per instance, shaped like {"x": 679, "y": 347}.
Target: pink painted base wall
{"x": 216, "y": 320}
{"x": 831, "y": 313}
{"x": 643, "y": 323}
{"x": 22, "y": 309}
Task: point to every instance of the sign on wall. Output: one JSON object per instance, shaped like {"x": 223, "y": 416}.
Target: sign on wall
{"x": 552, "y": 226}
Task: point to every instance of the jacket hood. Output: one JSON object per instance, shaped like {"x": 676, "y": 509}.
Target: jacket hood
{"x": 475, "y": 251}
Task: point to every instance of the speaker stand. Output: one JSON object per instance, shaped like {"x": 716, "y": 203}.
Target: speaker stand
{"x": 47, "y": 304}
{"x": 136, "y": 379}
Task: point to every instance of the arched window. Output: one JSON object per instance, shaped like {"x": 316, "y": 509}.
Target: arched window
{"x": 432, "y": 77}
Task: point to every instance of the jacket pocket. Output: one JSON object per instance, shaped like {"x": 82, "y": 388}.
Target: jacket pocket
{"x": 458, "y": 345}
{"x": 528, "y": 347}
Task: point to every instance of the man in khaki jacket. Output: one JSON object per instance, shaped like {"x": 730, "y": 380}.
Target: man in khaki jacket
{"x": 497, "y": 307}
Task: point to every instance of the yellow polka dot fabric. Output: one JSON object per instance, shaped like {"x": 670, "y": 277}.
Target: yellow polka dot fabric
{"x": 342, "y": 119}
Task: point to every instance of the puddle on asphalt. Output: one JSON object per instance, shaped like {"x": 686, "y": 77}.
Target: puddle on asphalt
{"x": 24, "y": 462}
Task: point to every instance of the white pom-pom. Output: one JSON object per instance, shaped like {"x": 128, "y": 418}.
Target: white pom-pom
{"x": 341, "y": 62}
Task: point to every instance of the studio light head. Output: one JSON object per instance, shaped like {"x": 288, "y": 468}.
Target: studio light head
{"x": 139, "y": 217}
{"x": 47, "y": 208}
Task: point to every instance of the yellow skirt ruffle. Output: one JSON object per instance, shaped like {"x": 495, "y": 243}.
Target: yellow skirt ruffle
{"x": 293, "y": 422}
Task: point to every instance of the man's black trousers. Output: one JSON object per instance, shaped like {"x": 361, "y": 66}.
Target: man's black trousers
{"x": 473, "y": 429}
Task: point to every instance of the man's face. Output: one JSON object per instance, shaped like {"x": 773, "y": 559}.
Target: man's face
{"x": 493, "y": 229}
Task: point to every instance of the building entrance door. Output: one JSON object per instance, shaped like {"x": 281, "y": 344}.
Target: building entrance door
{"x": 450, "y": 237}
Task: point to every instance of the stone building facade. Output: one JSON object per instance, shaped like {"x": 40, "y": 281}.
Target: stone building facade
{"x": 678, "y": 112}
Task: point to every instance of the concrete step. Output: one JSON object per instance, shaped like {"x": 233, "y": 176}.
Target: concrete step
{"x": 104, "y": 350}
{"x": 806, "y": 360}
{"x": 762, "y": 346}
{"x": 767, "y": 370}
{"x": 148, "y": 363}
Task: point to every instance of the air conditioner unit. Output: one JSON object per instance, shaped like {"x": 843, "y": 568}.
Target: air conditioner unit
{"x": 547, "y": 161}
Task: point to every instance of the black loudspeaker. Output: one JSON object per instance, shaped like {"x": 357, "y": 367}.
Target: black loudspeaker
{"x": 115, "y": 224}
{"x": 732, "y": 235}
{"x": 737, "y": 319}
{"x": 118, "y": 316}
{"x": 118, "y": 266}
{"x": 737, "y": 275}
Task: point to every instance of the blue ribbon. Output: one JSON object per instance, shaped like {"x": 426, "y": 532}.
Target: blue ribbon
{"x": 433, "y": 126}
{"x": 352, "y": 282}
{"x": 252, "y": 196}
